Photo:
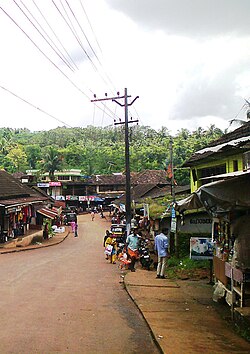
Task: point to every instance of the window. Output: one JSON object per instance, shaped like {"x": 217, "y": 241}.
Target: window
{"x": 235, "y": 165}
{"x": 211, "y": 171}
{"x": 194, "y": 175}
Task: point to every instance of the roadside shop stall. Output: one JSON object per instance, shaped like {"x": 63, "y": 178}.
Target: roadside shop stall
{"x": 228, "y": 202}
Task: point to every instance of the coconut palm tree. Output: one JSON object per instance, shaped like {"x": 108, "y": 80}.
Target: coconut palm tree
{"x": 52, "y": 162}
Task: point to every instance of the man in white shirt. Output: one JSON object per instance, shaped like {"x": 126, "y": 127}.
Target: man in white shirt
{"x": 161, "y": 247}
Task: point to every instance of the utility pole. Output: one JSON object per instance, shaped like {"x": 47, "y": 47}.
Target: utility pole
{"x": 172, "y": 169}
{"x": 127, "y": 162}
{"x": 173, "y": 212}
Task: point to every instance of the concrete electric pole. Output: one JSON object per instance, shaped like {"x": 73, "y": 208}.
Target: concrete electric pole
{"x": 127, "y": 156}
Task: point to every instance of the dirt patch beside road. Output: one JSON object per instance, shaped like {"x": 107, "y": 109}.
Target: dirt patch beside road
{"x": 182, "y": 315}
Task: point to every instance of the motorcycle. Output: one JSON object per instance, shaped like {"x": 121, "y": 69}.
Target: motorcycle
{"x": 145, "y": 258}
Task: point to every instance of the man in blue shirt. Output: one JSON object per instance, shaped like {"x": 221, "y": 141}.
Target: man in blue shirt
{"x": 161, "y": 247}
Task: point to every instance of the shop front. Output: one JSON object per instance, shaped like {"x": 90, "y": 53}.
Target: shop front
{"x": 16, "y": 220}
{"x": 228, "y": 203}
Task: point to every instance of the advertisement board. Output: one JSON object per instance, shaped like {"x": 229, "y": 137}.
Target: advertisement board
{"x": 72, "y": 197}
{"x": 55, "y": 184}
{"x": 43, "y": 185}
{"x": 201, "y": 248}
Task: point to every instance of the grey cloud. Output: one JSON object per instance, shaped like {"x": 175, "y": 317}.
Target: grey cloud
{"x": 188, "y": 17}
{"x": 201, "y": 97}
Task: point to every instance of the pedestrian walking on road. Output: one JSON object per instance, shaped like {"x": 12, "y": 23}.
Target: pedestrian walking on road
{"x": 73, "y": 226}
{"x": 92, "y": 215}
{"x": 104, "y": 240}
{"x": 161, "y": 247}
{"x": 132, "y": 242}
{"x": 76, "y": 229}
{"x": 111, "y": 248}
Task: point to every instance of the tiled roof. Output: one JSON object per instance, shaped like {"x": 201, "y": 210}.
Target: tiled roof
{"x": 20, "y": 201}
{"x": 144, "y": 177}
{"x": 13, "y": 191}
{"x": 150, "y": 177}
{"x": 43, "y": 193}
{"x": 142, "y": 191}
{"x": 138, "y": 192}
{"x": 108, "y": 179}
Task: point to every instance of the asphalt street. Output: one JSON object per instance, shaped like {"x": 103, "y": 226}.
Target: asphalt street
{"x": 68, "y": 299}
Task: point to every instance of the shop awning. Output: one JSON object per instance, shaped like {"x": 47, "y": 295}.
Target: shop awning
{"x": 220, "y": 197}
{"x": 52, "y": 214}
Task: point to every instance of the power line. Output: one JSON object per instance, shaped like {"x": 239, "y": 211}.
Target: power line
{"x": 43, "y": 36}
{"x": 46, "y": 56}
{"x": 58, "y": 39}
{"x": 83, "y": 31}
{"x": 75, "y": 17}
{"x": 55, "y": 47}
{"x": 105, "y": 72}
{"x": 73, "y": 31}
{"x": 40, "y": 50}
{"x": 90, "y": 25}
{"x": 32, "y": 105}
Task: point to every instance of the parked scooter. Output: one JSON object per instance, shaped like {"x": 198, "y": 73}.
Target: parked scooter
{"x": 144, "y": 252}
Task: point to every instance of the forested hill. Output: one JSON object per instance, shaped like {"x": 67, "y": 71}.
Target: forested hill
{"x": 99, "y": 150}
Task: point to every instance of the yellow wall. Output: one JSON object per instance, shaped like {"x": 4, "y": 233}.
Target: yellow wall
{"x": 229, "y": 168}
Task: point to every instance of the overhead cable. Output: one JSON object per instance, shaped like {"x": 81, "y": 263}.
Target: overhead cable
{"x": 65, "y": 62}
{"x": 32, "y": 105}
{"x": 61, "y": 71}
{"x": 58, "y": 39}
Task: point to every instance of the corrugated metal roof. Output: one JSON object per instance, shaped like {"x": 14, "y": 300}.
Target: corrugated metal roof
{"x": 227, "y": 175}
{"x": 234, "y": 141}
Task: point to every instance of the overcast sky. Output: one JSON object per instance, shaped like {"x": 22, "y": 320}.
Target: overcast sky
{"x": 187, "y": 60}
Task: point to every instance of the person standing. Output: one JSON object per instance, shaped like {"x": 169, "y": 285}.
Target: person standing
{"x": 111, "y": 242}
{"x": 76, "y": 230}
{"x": 104, "y": 240}
{"x": 161, "y": 247}
{"x": 132, "y": 242}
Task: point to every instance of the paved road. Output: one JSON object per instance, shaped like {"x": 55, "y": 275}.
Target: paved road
{"x": 68, "y": 299}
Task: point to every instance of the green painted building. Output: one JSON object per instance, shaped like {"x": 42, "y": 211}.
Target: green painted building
{"x": 228, "y": 154}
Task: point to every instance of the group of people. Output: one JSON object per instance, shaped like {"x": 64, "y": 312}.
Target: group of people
{"x": 96, "y": 210}
{"x": 131, "y": 249}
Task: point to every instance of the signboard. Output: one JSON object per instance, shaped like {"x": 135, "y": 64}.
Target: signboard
{"x": 201, "y": 248}
{"x": 201, "y": 221}
{"x": 60, "y": 197}
{"x": 13, "y": 210}
{"x": 71, "y": 197}
{"x": 43, "y": 185}
{"x": 83, "y": 198}
{"x": 55, "y": 184}
{"x": 173, "y": 225}
{"x": 146, "y": 210}
{"x": 173, "y": 214}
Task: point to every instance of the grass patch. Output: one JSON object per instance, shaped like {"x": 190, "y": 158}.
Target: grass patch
{"x": 186, "y": 268}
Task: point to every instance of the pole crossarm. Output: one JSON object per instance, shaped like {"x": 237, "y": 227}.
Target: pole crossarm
{"x": 107, "y": 98}
{"x": 131, "y": 121}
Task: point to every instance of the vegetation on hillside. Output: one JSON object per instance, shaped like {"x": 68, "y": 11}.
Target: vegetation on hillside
{"x": 96, "y": 150}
